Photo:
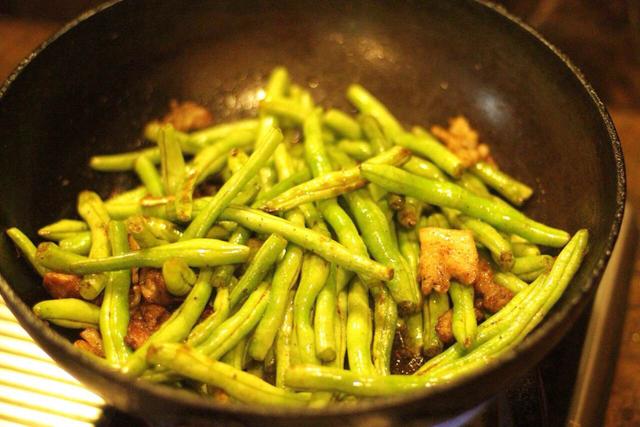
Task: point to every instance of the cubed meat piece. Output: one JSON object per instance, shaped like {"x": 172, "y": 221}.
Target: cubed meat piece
{"x": 492, "y": 295}
{"x": 153, "y": 288}
{"x": 446, "y": 254}
{"x": 462, "y": 140}
{"x": 186, "y": 116}
{"x": 60, "y": 285}
{"x": 144, "y": 321}
{"x": 90, "y": 341}
{"x": 444, "y": 328}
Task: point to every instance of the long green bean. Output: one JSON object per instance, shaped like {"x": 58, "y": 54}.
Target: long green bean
{"x": 314, "y": 275}
{"x": 196, "y": 252}
{"x": 368, "y": 104}
{"x": 28, "y": 249}
{"x": 463, "y": 322}
{"x": 93, "y": 211}
{"x": 114, "y": 312}
{"x": 514, "y": 191}
{"x": 324, "y": 246}
{"x": 68, "y": 313}
{"x": 62, "y": 229}
{"x": 384, "y": 318}
{"x": 452, "y": 196}
{"x": 342, "y": 124}
{"x": 359, "y": 329}
{"x": 240, "y": 385}
{"x": 149, "y": 176}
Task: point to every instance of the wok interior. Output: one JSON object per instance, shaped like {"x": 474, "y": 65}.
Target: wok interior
{"x": 92, "y": 91}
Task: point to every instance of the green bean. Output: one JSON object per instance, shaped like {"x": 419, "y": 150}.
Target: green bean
{"x": 313, "y": 277}
{"x": 424, "y": 168}
{"x": 286, "y": 109}
{"x": 177, "y": 327}
{"x": 235, "y": 356}
{"x": 463, "y": 322}
{"x": 384, "y": 318}
{"x": 395, "y": 201}
{"x": 163, "y": 229}
{"x": 149, "y": 176}
{"x": 510, "y": 281}
{"x": 514, "y": 191}
{"x": 62, "y": 229}
{"x": 327, "y": 186}
{"x": 93, "y": 211}
{"x": 205, "y": 219}
{"x": 436, "y": 305}
{"x": 415, "y": 333}
{"x": 342, "y": 124}
{"x": 196, "y": 252}
{"x": 238, "y": 384}
{"x": 27, "y": 248}
{"x": 341, "y": 328}
{"x": 277, "y": 84}
{"x": 222, "y": 275}
{"x": 205, "y": 137}
{"x": 267, "y": 179}
{"x": 78, "y": 244}
{"x": 437, "y": 220}
{"x": 373, "y": 133}
{"x": 123, "y": 161}
{"x": 359, "y": 150}
{"x": 359, "y": 329}
{"x": 68, "y": 313}
{"x": 473, "y": 184}
{"x": 178, "y": 277}
{"x": 221, "y": 310}
{"x": 528, "y": 264}
{"x": 486, "y": 235}
{"x": 410, "y": 213}
{"x": 283, "y": 280}
{"x": 325, "y": 315}
{"x": 236, "y": 327}
{"x": 376, "y": 234}
{"x": 310, "y": 377}
{"x": 294, "y": 179}
{"x": 283, "y": 343}
{"x": 452, "y": 196}
{"x": 368, "y": 104}
{"x": 330, "y": 250}
{"x": 409, "y": 247}
{"x": 129, "y": 196}
{"x": 264, "y": 259}
{"x": 522, "y": 248}
{"x": 171, "y": 159}
{"x": 142, "y": 233}
{"x": 427, "y": 146}
{"x": 114, "y": 312}
{"x": 530, "y": 276}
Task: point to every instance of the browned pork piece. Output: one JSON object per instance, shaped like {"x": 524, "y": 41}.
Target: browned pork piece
{"x": 444, "y": 255}
{"x": 60, "y": 285}
{"x": 492, "y": 296}
{"x": 153, "y": 287}
{"x": 463, "y": 141}
{"x": 144, "y": 321}
{"x": 186, "y": 116}
{"x": 90, "y": 341}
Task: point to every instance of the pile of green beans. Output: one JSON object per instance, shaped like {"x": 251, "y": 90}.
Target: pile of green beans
{"x": 321, "y": 310}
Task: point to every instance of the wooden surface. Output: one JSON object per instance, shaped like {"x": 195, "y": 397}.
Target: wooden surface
{"x": 621, "y": 88}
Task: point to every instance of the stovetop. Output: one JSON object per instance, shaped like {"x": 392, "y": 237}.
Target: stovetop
{"x": 570, "y": 386}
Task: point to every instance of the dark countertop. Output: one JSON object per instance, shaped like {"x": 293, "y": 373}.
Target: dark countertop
{"x": 603, "y": 38}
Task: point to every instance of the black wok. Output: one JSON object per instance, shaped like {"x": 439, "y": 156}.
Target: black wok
{"x": 92, "y": 87}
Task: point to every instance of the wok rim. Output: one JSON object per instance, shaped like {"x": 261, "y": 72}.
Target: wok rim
{"x": 46, "y": 336}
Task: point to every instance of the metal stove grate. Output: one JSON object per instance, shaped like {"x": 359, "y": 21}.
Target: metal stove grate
{"x": 34, "y": 391}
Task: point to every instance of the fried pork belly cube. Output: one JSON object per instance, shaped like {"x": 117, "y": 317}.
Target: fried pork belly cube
{"x": 463, "y": 141}
{"x": 187, "y": 115}
{"x": 444, "y": 255}
{"x": 493, "y": 296}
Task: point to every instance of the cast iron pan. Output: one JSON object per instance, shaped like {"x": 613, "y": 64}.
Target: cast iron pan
{"x": 92, "y": 87}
